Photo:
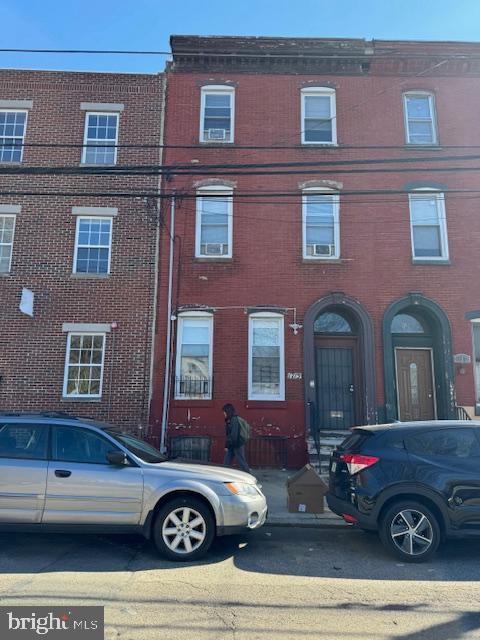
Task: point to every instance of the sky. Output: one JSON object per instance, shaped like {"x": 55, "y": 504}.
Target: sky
{"x": 148, "y": 24}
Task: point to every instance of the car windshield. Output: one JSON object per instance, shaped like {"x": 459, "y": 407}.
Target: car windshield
{"x": 141, "y": 449}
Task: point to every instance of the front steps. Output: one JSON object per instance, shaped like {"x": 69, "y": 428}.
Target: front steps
{"x": 328, "y": 440}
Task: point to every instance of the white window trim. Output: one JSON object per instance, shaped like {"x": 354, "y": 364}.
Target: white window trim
{"x": 77, "y": 232}
{"x": 10, "y": 215}
{"x": 260, "y": 316}
{"x": 442, "y": 219}
{"x": 433, "y": 114}
{"x": 320, "y": 91}
{"x": 85, "y": 135}
{"x": 68, "y": 396}
{"x": 336, "y": 222}
{"x": 25, "y": 111}
{"x": 189, "y": 315}
{"x": 217, "y": 88}
{"x": 213, "y": 190}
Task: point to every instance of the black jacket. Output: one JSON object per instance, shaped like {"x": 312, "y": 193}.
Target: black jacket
{"x": 232, "y": 432}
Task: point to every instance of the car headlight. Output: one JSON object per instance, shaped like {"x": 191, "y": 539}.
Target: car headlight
{"x": 241, "y": 488}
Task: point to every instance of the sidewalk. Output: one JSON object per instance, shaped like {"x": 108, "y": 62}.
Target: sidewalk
{"x": 273, "y": 483}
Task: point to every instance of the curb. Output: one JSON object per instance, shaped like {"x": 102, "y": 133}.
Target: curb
{"x": 308, "y": 525}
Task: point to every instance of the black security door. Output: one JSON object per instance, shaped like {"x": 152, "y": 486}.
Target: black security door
{"x": 336, "y": 382}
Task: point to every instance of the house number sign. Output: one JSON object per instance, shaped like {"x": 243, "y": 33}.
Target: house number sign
{"x": 294, "y": 375}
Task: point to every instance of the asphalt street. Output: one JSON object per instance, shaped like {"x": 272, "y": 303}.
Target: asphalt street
{"x": 272, "y": 584}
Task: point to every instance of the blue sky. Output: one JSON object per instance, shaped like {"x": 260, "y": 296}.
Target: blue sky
{"x": 147, "y": 24}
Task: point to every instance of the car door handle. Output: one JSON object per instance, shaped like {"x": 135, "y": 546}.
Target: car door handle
{"x": 62, "y": 473}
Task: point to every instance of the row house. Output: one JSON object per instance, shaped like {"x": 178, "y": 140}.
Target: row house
{"x": 78, "y": 242}
{"x": 318, "y": 269}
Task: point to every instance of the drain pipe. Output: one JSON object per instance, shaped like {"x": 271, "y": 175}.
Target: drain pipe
{"x": 166, "y": 386}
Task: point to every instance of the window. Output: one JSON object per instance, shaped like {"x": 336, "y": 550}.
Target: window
{"x": 217, "y": 114}
{"x": 84, "y": 365}
{"x": 319, "y": 119}
{"x": 7, "y": 228}
{"x": 428, "y": 225}
{"x": 330, "y": 322}
{"x": 266, "y": 375}
{"x": 12, "y": 135}
{"x": 420, "y": 127}
{"x": 476, "y": 351}
{"x": 194, "y": 356}
{"x": 321, "y": 225}
{"x": 454, "y": 443}
{"x": 70, "y": 444}
{"x": 26, "y": 441}
{"x": 214, "y": 223}
{"x": 92, "y": 245}
{"x": 101, "y": 136}
{"x": 406, "y": 323}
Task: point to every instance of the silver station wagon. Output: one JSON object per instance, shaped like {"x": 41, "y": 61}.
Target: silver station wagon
{"x": 59, "y": 473}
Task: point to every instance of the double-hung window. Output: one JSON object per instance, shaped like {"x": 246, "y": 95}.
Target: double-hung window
{"x": 319, "y": 117}
{"x": 12, "y": 134}
{"x": 476, "y": 355}
{"x": 101, "y": 138}
{"x": 93, "y": 245}
{"x": 428, "y": 225}
{"x": 420, "y": 125}
{"x": 266, "y": 375}
{"x": 193, "y": 376}
{"x": 217, "y": 114}
{"x": 7, "y": 229}
{"x": 214, "y": 224}
{"x": 84, "y": 365}
{"x": 321, "y": 225}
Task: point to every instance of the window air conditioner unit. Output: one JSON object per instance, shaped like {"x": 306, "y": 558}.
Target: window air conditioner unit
{"x": 214, "y": 249}
{"x": 217, "y": 134}
{"x": 323, "y": 249}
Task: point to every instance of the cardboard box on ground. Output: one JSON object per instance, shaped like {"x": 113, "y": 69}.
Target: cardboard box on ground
{"x": 306, "y": 491}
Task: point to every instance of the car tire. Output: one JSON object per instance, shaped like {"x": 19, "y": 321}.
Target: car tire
{"x": 410, "y": 531}
{"x": 184, "y": 529}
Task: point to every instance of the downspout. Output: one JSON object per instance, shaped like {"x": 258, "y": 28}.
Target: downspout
{"x": 166, "y": 386}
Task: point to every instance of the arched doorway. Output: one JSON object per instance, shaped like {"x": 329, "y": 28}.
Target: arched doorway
{"x": 339, "y": 364}
{"x": 418, "y": 361}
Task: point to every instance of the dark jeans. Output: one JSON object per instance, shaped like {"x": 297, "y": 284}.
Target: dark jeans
{"x": 239, "y": 454}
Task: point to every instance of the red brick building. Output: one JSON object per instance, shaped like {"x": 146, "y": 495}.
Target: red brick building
{"x": 78, "y": 239}
{"x": 338, "y": 286}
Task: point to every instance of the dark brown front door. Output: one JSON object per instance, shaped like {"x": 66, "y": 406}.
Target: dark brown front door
{"x": 415, "y": 388}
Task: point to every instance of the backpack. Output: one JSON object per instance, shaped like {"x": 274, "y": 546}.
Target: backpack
{"x": 244, "y": 430}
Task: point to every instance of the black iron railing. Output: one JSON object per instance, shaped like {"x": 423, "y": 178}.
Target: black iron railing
{"x": 461, "y": 413}
{"x": 193, "y": 387}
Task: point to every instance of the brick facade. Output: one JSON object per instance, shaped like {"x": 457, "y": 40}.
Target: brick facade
{"x": 33, "y": 349}
{"x": 375, "y": 269}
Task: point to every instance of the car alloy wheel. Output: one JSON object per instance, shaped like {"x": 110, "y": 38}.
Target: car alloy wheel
{"x": 184, "y": 530}
{"x": 410, "y": 531}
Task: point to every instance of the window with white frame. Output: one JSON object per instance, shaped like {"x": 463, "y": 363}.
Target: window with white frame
{"x": 84, "y": 365}
{"x": 12, "y": 134}
{"x": 428, "y": 225}
{"x": 217, "y": 114}
{"x": 420, "y": 125}
{"x": 214, "y": 224}
{"x": 266, "y": 375}
{"x": 93, "y": 245}
{"x": 101, "y": 138}
{"x": 319, "y": 117}
{"x": 193, "y": 375}
{"x": 7, "y": 230}
{"x": 476, "y": 353}
{"x": 321, "y": 225}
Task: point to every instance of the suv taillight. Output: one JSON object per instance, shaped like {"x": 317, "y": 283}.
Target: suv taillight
{"x": 356, "y": 462}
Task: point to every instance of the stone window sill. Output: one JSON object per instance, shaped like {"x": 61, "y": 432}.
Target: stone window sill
{"x": 205, "y": 260}
{"x": 323, "y": 261}
{"x": 90, "y": 276}
{"x": 76, "y": 400}
{"x": 432, "y": 263}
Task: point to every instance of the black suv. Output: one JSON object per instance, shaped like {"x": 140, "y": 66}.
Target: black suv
{"x": 415, "y": 483}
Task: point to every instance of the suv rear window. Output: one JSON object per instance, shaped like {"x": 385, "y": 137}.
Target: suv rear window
{"x": 354, "y": 441}
{"x": 454, "y": 443}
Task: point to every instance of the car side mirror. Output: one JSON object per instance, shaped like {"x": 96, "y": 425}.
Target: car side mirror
{"x": 117, "y": 458}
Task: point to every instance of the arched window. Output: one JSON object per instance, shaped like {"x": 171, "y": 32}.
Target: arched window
{"x": 405, "y": 323}
{"x": 330, "y": 322}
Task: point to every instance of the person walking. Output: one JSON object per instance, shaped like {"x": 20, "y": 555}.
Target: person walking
{"x": 237, "y": 431}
